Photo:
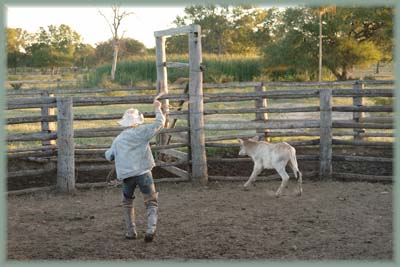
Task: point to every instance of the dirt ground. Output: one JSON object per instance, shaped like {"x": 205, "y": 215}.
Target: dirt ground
{"x": 330, "y": 221}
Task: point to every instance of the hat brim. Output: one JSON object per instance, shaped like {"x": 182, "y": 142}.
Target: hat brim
{"x": 127, "y": 122}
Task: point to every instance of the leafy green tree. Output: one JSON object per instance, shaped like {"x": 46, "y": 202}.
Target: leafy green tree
{"x": 352, "y": 36}
{"x": 214, "y": 22}
{"x": 225, "y": 29}
{"x": 54, "y": 47}
{"x": 84, "y": 55}
{"x": 17, "y": 41}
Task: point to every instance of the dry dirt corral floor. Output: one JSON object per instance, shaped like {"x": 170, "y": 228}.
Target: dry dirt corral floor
{"x": 330, "y": 221}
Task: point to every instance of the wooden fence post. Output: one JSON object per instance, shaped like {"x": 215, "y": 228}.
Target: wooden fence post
{"x": 47, "y": 127}
{"x": 358, "y": 116}
{"x": 325, "y": 151}
{"x": 197, "y": 139}
{"x": 65, "y": 145}
{"x": 162, "y": 86}
{"x": 262, "y": 116}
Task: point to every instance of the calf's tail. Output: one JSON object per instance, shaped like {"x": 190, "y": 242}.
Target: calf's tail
{"x": 296, "y": 170}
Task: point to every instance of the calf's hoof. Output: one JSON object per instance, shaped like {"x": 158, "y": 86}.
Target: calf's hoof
{"x": 246, "y": 188}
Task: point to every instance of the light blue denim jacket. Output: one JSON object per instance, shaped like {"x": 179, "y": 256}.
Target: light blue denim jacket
{"x": 131, "y": 149}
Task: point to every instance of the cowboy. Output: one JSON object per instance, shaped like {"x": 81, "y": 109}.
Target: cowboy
{"x": 134, "y": 161}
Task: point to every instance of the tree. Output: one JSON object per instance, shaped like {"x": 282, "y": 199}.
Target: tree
{"x": 360, "y": 36}
{"x": 117, "y": 18}
{"x": 225, "y": 29}
{"x": 84, "y": 55}
{"x": 350, "y": 38}
{"x": 54, "y": 47}
{"x": 17, "y": 41}
{"x": 127, "y": 47}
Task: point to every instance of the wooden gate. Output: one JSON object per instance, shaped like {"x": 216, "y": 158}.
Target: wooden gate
{"x": 196, "y": 141}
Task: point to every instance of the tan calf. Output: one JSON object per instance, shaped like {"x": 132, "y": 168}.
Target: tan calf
{"x": 271, "y": 156}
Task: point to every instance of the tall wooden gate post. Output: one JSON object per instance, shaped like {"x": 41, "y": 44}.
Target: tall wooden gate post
{"x": 65, "y": 145}
{"x": 358, "y": 116}
{"x": 162, "y": 83}
{"x": 261, "y": 116}
{"x": 196, "y": 108}
{"x": 325, "y": 151}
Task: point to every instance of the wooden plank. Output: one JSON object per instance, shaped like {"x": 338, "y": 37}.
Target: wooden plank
{"x": 361, "y": 143}
{"x": 50, "y": 101}
{"x": 177, "y": 31}
{"x": 368, "y": 134}
{"x": 365, "y": 92}
{"x": 224, "y": 160}
{"x": 235, "y": 96}
{"x": 179, "y": 65}
{"x": 351, "y": 124}
{"x": 36, "y": 136}
{"x": 231, "y": 85}
{"x": 377, "y": 120}
{"x": 265, "y": 110}
{"x": 31, "y": 119}
{"x": 175, "y": 153}
{"x": 174, "y": 170}
{"x": 36, "y": 148}
{"x": 24, "y": 103}
{"x": 27, "y": 173}
{"x": 32, "y": 154}
{"x": 325, "y": 154}
{"x": 271, "y": 134}
{"x": 293, "y": 143}
{"x": 75, "y": 91}
{"x": 270, "y": 124}
{"x": 362, "y": 109}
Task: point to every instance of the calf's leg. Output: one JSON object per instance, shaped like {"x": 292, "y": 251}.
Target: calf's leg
{"x": 285, "y": 178}
{"x": 256, "y": 171}
{"x": 298, "y": 175}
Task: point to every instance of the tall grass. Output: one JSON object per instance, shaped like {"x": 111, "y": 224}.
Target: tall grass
{"x": 139, "y": 70}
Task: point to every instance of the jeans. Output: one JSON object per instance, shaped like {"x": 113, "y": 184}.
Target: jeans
{"x": 146, "y": 186}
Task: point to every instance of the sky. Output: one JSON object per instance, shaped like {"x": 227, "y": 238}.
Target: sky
{"x": 90, "y": 25}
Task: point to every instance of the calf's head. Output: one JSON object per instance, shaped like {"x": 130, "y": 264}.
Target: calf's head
{"x": 242, "y": 150}
{"x": 247, "y": 145}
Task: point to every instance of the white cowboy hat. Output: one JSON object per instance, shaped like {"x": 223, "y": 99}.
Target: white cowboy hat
{"x": 131, "y": 117}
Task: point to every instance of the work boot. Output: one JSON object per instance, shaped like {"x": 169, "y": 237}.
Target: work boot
{"x": 130, "y": 223}
{"x": 152, "y": 214}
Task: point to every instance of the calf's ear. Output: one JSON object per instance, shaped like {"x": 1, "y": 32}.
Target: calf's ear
{"x": 255, "y": 138}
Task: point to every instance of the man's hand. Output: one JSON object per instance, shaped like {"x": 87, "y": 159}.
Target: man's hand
{"x": 157, "y": 104}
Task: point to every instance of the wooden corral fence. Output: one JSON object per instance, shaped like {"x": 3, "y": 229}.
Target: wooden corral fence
{"x": 222, "y": 125}
{"x": 333, "y": 125}
{"x": 55, "y": 83}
